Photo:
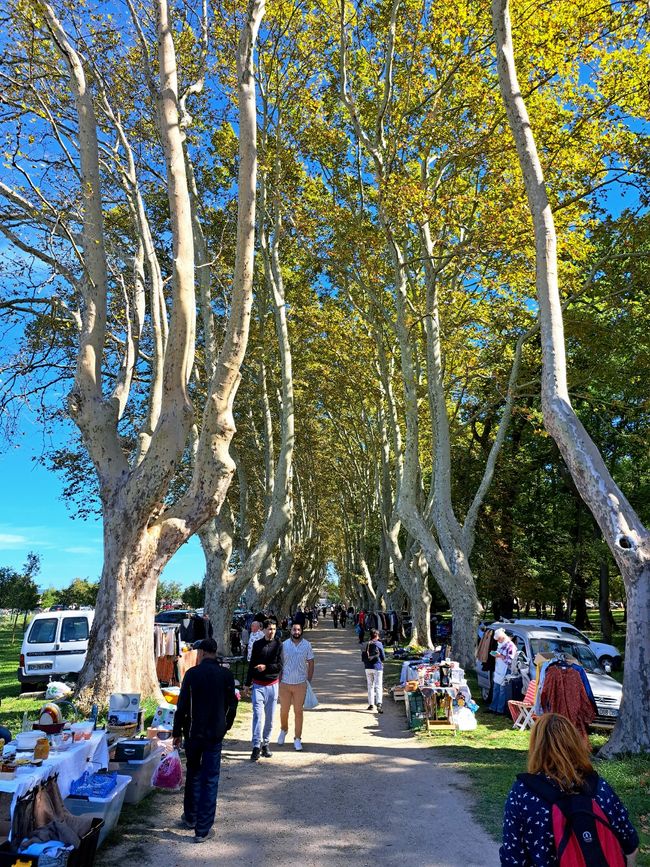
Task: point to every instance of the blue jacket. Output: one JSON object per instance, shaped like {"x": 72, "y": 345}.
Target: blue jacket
{"x": 378, "y": 663}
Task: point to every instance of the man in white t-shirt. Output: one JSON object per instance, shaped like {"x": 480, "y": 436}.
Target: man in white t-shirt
{"x": 297, "y": 669}
{"x": 256, "y": 633}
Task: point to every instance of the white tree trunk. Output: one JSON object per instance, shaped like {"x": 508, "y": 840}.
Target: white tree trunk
{"x": 626, "y": 536}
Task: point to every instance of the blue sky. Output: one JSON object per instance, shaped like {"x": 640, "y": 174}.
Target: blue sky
{"x": 34, "y": 517}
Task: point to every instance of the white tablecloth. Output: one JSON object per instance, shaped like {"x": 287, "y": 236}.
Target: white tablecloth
{"x": 69, "y": 765}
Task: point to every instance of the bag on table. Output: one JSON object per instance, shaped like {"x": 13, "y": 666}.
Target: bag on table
{"x": 310, "y": 698}
{"x": 169, "y": 773}
{"x": 582, "y": 832}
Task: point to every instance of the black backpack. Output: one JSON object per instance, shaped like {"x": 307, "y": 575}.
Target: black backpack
{"x": 370, "y": 654}
{"x": 581, "y": 830}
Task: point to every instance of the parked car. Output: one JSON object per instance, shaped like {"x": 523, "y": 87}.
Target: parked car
{"x": 175, "y": 615}
{"x": 608, "y": 655}
{"x": 55, "y": 645}
{"x": 531, "y": 640}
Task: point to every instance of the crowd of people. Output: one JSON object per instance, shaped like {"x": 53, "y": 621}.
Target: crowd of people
{"x": 560, "y": 808}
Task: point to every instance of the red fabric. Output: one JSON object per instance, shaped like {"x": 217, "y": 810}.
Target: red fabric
{"x": 564, "y": 693}
{"x": 608, "y": 840}
{"x": 529, "y": 700}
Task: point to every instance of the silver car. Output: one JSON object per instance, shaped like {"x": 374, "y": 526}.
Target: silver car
{"x": 531, "y": 640}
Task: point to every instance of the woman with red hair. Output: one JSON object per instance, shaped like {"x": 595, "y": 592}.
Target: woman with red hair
{"x": 558, "y": 764}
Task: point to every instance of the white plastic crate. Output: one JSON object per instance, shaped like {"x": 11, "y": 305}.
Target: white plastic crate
{"x": 108, "y": 808}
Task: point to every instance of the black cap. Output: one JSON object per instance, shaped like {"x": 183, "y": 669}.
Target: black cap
{"x": 207, "y": 645}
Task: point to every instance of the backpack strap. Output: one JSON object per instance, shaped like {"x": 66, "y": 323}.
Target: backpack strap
{"x": 552, "y": 796}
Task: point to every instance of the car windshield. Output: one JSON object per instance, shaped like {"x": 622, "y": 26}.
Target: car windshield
{"x": 581, "y": 652}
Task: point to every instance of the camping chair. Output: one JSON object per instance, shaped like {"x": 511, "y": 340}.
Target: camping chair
{"x": 522, "y": 711}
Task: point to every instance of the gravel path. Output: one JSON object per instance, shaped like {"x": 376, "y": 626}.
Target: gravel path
{"x": 363, "y": 792}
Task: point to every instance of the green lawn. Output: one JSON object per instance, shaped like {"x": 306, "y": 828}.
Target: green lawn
{"x": 12, "y": 707}
{"x": 493, "y": 754}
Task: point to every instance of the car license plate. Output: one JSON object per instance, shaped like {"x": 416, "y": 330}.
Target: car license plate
{"x": 39, "y": 666}
{"x": 608, "y": 711}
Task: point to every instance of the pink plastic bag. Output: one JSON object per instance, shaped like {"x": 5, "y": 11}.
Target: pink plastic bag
{"x": 169, "y": 773}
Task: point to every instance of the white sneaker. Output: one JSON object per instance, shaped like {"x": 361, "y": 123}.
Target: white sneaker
{"x": 281, "y": 737}
{"x": 297, "y": 743}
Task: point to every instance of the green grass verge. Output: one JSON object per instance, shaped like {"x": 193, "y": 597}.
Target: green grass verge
{"x": 12, "y": 706}
{"x": 494, "y": 753}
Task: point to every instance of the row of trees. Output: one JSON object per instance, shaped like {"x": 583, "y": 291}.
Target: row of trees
{"x": 19, "y": 591}
{"x": 385, "y": 347}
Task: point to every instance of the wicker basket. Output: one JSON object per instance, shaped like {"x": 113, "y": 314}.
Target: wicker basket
{"x": 129, "y": 731}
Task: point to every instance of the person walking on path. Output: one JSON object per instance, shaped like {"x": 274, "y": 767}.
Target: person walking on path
{"x": 206, "y": 710}
{"x": 559, "y": 767}
{"x": 343, "y": 616}
{"x": 264, "y": 670}
{"x": 297, "y": 670}
{"x": 299, "y": 617}
{"x": 335, "y": 616}
{"x": 503, "y": 660}
{"x": 373, "y": 657}
{"x": 256, "y": 633}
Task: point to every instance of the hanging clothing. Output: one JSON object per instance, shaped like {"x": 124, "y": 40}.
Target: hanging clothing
{"x": 165, "y": 669}
{"x": 483, "y": 650}
{"x": 563, "y": 692}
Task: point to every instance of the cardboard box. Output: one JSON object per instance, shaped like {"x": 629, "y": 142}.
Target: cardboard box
{"x": 124, "y": 701}
{"x": 164, "y": 716}
{"x": 123, "y": 717}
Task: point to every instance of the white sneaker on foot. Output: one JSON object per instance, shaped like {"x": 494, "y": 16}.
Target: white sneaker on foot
{"x": 297, "y": 743}
{"x": 282, "y": 737}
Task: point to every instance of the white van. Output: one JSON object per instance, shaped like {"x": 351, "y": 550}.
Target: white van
{"x": 55, "y": 645}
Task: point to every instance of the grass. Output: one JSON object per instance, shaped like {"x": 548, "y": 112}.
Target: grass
{"x": 12, "y": 706}
{"x": 494, "y": 753}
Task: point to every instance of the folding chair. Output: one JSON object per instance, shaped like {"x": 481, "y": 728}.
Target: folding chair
{"x": 522, "y": 711}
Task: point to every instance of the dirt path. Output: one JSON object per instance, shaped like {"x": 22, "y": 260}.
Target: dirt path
{"x": 363, "y": 791}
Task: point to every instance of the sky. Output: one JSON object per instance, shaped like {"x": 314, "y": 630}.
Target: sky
{"x": 34, "y": 517}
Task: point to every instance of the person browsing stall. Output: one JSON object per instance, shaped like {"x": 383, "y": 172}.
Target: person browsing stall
{"x": 297, "y": 670}
{"x": 256, "y": 634}
{"x": 503, "y": 657}
{"x": 264, "y": 670}
{"x": 206, "y": 710}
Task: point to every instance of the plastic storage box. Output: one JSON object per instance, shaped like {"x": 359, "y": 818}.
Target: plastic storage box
{"x": 140, "y": 773}
{"x": 107, "y": 808}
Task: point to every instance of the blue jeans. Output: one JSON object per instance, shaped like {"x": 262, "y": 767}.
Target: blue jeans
{"x": 202, "y": 783}
{"x": 264, "y": 699}
{"x": 498, "y": 704}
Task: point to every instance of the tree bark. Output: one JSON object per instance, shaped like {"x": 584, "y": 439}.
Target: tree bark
{"x": 624, "y": 533}
{"x": 142, "y": 541}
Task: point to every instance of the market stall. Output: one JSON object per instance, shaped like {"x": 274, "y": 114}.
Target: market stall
{"x": 36, "y": 774}
{"x": 436, "y": 695}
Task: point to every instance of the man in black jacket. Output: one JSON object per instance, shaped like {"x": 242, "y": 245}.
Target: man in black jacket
{"x": 206, "y": 710}
{"x": 264, "y": 670}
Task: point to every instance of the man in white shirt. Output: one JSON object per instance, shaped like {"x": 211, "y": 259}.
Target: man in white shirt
{"x": 256, "y": 633}
{"x": 297, "y": 669}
